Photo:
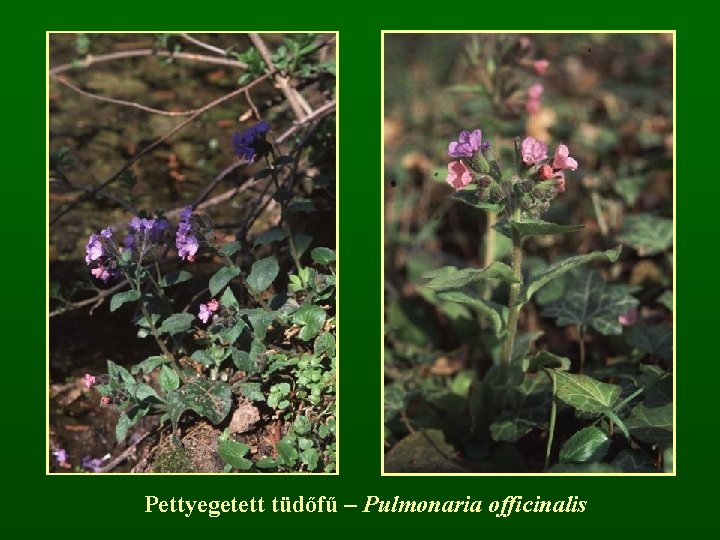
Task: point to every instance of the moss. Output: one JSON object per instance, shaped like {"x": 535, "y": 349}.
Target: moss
{"x": 173, "y": 460}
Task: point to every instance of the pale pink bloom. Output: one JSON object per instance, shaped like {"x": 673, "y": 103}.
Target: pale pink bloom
{"x": 100, "y": 272}
{"x": 533, "y": 106}
{"x": 545, "y": 172}
{"x": 562, "y": 159}
{"x": 213, "y": 305}
{"x": 533, "y": 151}
{"x": 535, "y": 91}
{"x": 629, "y": 317}
{"x": 459, "y": 175}
{"x": 89, "y": 380}
{"x": 541, "y": 66}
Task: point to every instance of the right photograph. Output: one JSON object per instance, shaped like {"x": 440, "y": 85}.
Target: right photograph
{"x": 528, "y": 253}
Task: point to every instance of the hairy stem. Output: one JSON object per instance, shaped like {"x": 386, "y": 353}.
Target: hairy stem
{"x": 514, "y": 307}
{"x": 551, "y": 427}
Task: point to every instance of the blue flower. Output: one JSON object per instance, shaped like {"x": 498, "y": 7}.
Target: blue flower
{"x": 251, "y": 142}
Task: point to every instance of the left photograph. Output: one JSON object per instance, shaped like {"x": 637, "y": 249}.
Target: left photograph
{"x": 192, "y": 258}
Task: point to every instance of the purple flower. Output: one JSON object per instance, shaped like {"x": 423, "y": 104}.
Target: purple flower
{"x": 136, "y": 223}
{"x": 251, "y": 142}
{"x": 106, "y": 233}
{"x": 94, "y": 249}
{"x": 101, "y": 272}
{"x": 186, "y": 213}
{"x": 533, "y": 151}
{"x": 89, "y": 380}
{"x": 61, "y": 456}
{"x": 187, "y": 246}
{"x": 562, "y": 159}
{"x": 466, "y": 145}
{"x": 94, "y": 464}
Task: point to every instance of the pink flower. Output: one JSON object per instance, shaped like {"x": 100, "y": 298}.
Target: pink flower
{"x": 562, "y": 159}
{"x": 533, "y": 151}
{"x": 105, "y": 400}
{"x": 213, "y": 305}
{"x": 89, "y": 380}
{"x": 535, "y": 91}
{"x": 629, "y": 317}
{"x": 100, "y": 273}
{"x": 533, "y": 106}
{"x": 545, "y": 172}
{"x": 459, "y": 175}
{"x": 541, "y": 66}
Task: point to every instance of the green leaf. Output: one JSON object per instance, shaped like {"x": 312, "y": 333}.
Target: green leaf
{"x": 262, "y": 274}
{"x": 471, "y": 197}
{"x": 584, "y": 393}
{"x": 652, "y": 339}
{"x": 539, "y": 227}
{"x": 323, "y": 255}
{"x": 651, "y": 424}
{"x": 144, "y": 391}
{"x": 449, "y": 277}
{"x": 232, "y": 452}
{"x": 242, "y": 361}
{"x": 630, "y": 188}
{"x": 176, "y": 323}
{"x": 260, "y": 320}
{"x": 211, "y": 399}
{"x": 122, "y": 297}
{"x": 230, "y": 249}
{"x": 287, "y": 452}
{"x": 169, "y": 380}
{"x": 267, "y": 463}
{"x": 666, "y": 299}
{"x": 149, "y": 364}
{"x": 589, "y": 301}
{"x": 588, "y": 444}
{"x": 230, "y": 335}
{"x": 526, "y": 406}
{"x": 273, "y": 235}
{"x": 545, "y": 359}
{"x": 203, "y": 357}
{"x": 302, "y": 425}
{"x": 324, "y": 344}
{"x": 252, "y": 391}
{"x": 648, "y": 234}
{"x": 424, "y": 451}
{"x": 310, "y": 457}
{"x": 121, "y": 428}
{"x": 488, "y": 309}
{"x": 222, "y": 277}
{"x": 560, "y": 267}
{"x": 311, "y": 318}
{"x": 634, "y": 462}
{"x": 175, "y": 277}
{"x": 302, "y": 242}
{"x": 228, "y": 299}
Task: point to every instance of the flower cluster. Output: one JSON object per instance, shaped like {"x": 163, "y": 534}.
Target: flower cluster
{"x": 100, "y": 251}
{"x": 477, "y": 163}
{"x": 251, "y": 143}
{"x": 206, "y": 310}
{"x": 186, "y": 243}
{"x": 539, "y": 179}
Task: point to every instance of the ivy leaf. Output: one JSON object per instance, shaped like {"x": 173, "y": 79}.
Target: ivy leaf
{"x": 651, "y": 424}
{"x": 311, "y": 318}
{"x": 634, "y": 462}
{"x": 560, "y": 267}
{"x": 589, "y": 301}
{"x": 262, "y": 274}
{"x": 471, "y": 197}
{"x": 232, "y": 452}
{"x": 449, "y": 277}
{"x": 545, "y": 359}
{"x": 176, "y": 323}
{"x": 222, "y": 277}
{"x": 588, "y": 444}
{"x": 652, "y": 339}
{"x": 647, "y": 233}
{"x": 490, "y": 310}
{"x": 122, "y": 297}
{"x": 584, "y": 393}
{"x": 527, "y": 406}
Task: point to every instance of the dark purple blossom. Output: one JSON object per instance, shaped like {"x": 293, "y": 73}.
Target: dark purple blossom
{"x": 251, "y": 142}
{"x": 186, "y": 244}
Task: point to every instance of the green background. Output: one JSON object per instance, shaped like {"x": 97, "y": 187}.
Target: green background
{"x": 104, "y": 506}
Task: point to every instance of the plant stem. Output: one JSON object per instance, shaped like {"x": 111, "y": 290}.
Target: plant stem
{"x": 582, "y": 348}
{"x": 551, "y": 427}
{"x": 490, "y": 241}
{"x": 513, "y": 306}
